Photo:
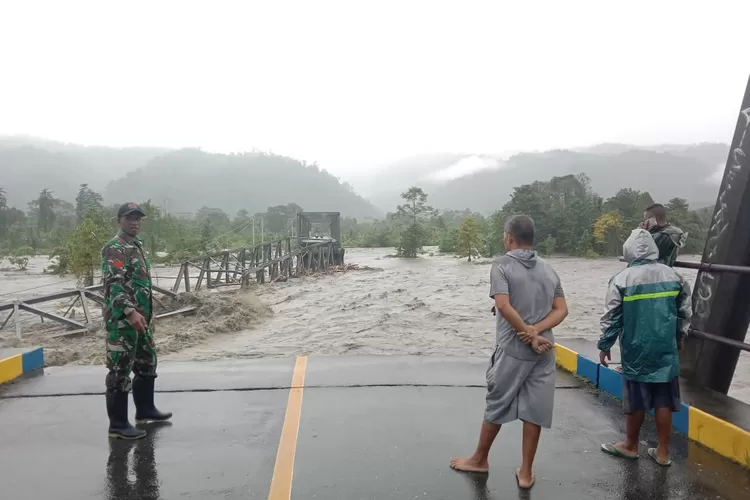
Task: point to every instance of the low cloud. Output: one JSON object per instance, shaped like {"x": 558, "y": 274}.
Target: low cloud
{"x": 466, "y": 166}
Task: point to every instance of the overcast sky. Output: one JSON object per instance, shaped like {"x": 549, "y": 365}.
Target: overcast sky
{"x": 356, "y": 84}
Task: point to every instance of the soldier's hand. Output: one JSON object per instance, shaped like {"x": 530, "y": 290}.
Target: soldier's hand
{"x": 137, "y": 321}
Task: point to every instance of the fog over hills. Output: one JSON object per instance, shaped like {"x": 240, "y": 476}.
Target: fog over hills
{"x": 666, "y": 171}
{"x": 183, "y": 180}
{"x": 30, "y": 164}
{"x": 186, "y": 180}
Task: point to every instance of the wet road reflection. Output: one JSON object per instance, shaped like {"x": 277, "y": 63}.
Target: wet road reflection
{"x": 131, "y": 466}
{"x": 479, "y": 491}
{"x": 632, "y": 486}
{"x": 478, "y": 486}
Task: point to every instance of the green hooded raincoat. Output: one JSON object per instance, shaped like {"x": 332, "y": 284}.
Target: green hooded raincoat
{"x": 648, "y": 308}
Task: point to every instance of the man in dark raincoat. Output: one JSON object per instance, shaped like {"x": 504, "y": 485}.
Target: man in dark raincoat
{"x": 668, "y": 238}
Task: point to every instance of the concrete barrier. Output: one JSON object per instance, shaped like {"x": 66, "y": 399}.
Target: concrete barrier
{"x": 722, "y": 436}
{"x": 16, "y": 362}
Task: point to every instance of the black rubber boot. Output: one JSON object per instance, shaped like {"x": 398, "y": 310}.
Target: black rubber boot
{"x": 117, "y": 409}
{"x": 143, "y": 395}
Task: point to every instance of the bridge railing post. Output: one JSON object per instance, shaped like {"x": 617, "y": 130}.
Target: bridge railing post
{"x": 176, "y": 286}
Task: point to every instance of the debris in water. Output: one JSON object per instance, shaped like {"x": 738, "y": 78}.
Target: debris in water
{"x": 216, "y": 313}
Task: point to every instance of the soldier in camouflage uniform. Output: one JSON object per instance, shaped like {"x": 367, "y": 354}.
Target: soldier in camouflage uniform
{"x": 128, "y": 313}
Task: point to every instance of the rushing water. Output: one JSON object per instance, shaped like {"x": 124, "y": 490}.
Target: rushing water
{"x": 434, "y": 305}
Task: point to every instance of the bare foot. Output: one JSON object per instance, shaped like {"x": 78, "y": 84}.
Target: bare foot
{"x": 470, "y": 464}
{"x": 540, "y": 344}
{"x": 525, "y": 481}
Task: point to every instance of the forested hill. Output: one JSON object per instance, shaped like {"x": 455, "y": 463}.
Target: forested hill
{"x": 188, "y": 179}
{"x": 29, "y": 164}
{"x": 665, "y": 171}
{"x": 665, "y": 175}
{"x": 181, "y": 180}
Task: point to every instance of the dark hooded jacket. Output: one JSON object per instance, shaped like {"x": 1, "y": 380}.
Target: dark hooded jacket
{"x": 669, "y": 239}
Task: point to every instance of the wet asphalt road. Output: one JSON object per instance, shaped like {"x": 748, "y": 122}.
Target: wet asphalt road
{"x": 371, "y": 428}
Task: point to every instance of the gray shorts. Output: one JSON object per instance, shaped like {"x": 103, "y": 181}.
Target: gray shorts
{"x": 520, "y": 390}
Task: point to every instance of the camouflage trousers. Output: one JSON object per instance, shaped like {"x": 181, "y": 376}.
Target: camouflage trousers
{"x": 129, "y": 352}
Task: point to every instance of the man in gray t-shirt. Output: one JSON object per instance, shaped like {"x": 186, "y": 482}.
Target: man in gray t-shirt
{"x": 530, "y": 301}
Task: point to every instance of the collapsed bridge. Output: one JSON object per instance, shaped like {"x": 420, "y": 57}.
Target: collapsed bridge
{"x": 277, "y": 260}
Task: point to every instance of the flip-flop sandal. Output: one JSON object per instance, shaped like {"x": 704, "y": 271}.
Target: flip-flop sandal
{"x": 611, "y": 449}
{"x": 652, "y": 454}
{"x": 518, "y": 481}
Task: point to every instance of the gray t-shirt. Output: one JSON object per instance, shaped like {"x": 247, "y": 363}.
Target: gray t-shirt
{"x": 531, "y": 284}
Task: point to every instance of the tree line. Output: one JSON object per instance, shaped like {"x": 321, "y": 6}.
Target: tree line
{"x": 73, "y": 234}
{"x": 570, "y": 219}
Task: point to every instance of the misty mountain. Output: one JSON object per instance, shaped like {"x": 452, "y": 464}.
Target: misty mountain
{"x": 30, "y": 164}
{"x": 188, "y": 179}
{"x": 183, "y": 180}
{"x": 385, "y": 185}
{"x": 666, "y": 171}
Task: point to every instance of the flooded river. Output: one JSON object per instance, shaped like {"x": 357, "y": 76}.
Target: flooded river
{"x": 434, "y": 305}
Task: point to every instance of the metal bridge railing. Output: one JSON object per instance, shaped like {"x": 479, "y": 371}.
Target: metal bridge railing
{"x": 716, "y": 268}
{"x": 721, "y": 340}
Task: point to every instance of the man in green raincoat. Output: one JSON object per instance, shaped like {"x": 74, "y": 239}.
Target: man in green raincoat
{"x": 128, "y": 313}
{"x": 648, "y": 308}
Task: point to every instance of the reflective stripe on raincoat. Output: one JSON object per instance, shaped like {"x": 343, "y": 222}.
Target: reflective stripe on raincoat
{"x": 648, "y": 308}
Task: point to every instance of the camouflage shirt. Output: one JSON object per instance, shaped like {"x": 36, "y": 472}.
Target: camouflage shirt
{"x": 126, "y": 274}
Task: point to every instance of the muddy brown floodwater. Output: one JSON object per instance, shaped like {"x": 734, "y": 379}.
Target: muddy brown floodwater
{"x": 434, "y": 305}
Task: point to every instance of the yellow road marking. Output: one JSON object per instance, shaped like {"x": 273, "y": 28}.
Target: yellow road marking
{"x": 281, "y": 483}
